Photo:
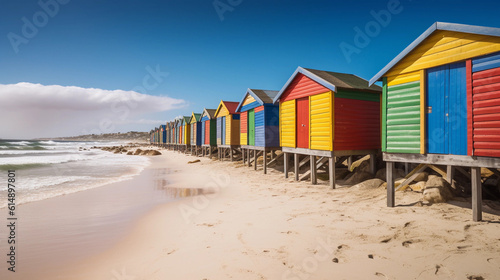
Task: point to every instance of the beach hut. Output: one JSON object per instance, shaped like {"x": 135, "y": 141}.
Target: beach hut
{"x": 163, "y": 135}
{"x": 327, "y": 115}
{"x": 169, "y": 134}
{"x": 441, "y": 104}
{"x": 186, "y": 133}
{"x": 195, "y": 123}
{"x": 151, "y": 136}
{"x": 228, "y": 129}
{"x": 259, "y": 126}
{"x": 177, "y": 133}
{"x": 208, "y": 132}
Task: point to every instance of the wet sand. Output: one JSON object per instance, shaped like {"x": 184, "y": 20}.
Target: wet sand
{"x": 56, "y": 232}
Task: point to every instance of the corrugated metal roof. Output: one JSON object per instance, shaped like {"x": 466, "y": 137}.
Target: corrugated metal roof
{"x": 472, "y": 29}
{"x": 331, "y": 80}
{"x": 196, "y": 117}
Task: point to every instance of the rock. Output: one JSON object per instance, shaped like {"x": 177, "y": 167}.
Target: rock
{"x": 155, "y": 153}
{"x": 369, "y": 184}
{"x": 437, "y": 190}
{"x": 363, "y": 166}
{"x": 358, "y": 177}
{"x": 382, "y": 174}
{"x": 138, "y": 152}
{"x": 422, "y": 176}
{"x": 124, "y": 150}
{"x": 194, "y": 161}
{"x": 130, "y": 153}
{"x": 341, "y": 173}
{"x": 418, "y": 187}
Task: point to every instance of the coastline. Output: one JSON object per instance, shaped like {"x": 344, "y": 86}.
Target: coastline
{"x": 251, "y": 226}
{"x": 75, "y": 226}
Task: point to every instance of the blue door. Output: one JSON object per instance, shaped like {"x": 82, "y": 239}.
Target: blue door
{"x": 223, "y": 126}
{"x": 447, "y": 110}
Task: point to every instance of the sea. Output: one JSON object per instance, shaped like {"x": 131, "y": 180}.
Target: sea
{"x": 45, "y": 169}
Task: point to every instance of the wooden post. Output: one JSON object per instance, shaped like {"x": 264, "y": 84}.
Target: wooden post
{"x": 248, "y": 156}
{"x": 255, "y": 152}
{"x": 231, "y": 153}
{"x": 265, "y": 161}
{"x": 272, "y": 154}
{"x": 349, "y": 163}
{"x": 243, "y": 155}
{"x": 391, "y": 193}
{"x": 331, "y": 171}
{"x": 285, "y": 164}
{"x": 407, "y": 168}
{"x": 373, "y": 164}
{"x": 477, "y": 197}
{"x": 450, "y": 173}
{"x": 312, "y": 161}
{"x": 296, "y": 166}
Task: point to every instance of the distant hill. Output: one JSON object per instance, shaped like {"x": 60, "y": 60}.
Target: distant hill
{"x": 131, "y": 136}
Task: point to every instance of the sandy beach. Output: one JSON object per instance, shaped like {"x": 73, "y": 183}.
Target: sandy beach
{"x": 253, "y": 226}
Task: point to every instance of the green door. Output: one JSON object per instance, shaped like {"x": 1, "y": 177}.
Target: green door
{"x": 251, "y": 127}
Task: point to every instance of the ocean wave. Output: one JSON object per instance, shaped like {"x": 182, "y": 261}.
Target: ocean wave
{"x": 24, "y": 162}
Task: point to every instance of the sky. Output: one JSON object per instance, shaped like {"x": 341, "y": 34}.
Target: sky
{"x": 72, "y": 67}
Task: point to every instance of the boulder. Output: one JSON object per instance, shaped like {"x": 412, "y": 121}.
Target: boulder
{"x": 138, "y": 152}
{"x": 437, "y": 190}
{"x": 397, "y": 174}
{"x": 341, "y": 173}
{"x": 130, "y": 153}
{"x": 422, "y": 176}
{"x": 418, "y": 187}
{"x": 369, "y": 184}
{"x": 358, "y": 177}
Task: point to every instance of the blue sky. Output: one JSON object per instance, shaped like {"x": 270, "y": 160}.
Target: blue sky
{"x": 108, "y": 45}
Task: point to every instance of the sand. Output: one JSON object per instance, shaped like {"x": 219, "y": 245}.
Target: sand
{"x": 254, "y": 226}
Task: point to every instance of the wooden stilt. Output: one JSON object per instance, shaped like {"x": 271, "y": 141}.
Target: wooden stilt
{"x": 373, "y": 163}
{"x": 272, "y": 155}
{"x": 285, "y": 164}
{"x": 243, "y": 155}
{"x": 296, "y": 166}
{"x": 255, "y": 155}
{"x": 248, "y": 156}
{"x": 450, "y": 172}
{"x": 314, "y": 180}
{"x": 477, "y": 197}
{"x": 407, "y": 168}
{"x": 331, "y": 171}
{"x": 265, "y": 162}
{"x": 231, "y": 153}
{"x": 349, "y": 163}
{"x": 391, "y": 193}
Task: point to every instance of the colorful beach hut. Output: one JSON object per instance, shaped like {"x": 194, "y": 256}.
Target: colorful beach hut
{"x": 327, "y": 114}
{"x": 228, "y": 129}
{"x": 208, "y": 132}
{"x": 195, "y": 123}
{"x": 178, "y": 133}
{"x": 151, "y": 137}
{"x": 169, "y": 134}
{"x": 259, "y": 126}
{"x": 162, "y": 135}
{"x": 441, "y": 103}
{"x": 185, "y": 128}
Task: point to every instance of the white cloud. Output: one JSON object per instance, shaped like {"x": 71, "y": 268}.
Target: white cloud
{"x": 33, "y": 110}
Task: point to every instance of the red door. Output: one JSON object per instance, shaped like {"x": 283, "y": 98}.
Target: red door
{"x": 303, "y": 122}
{"x": 207, "y": 132}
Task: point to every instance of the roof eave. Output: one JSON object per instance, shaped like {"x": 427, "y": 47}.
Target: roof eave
{"x": 249, "y": 91}
{"x": 309, "y": 75}
{"x": 464, "y": 28}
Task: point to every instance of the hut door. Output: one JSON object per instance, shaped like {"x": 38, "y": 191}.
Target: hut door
{"x": 447, "y": 110}
{"x": 303, "y": 122}
{"x": 251, "y": 127}
{"x": 223, "y": 131}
